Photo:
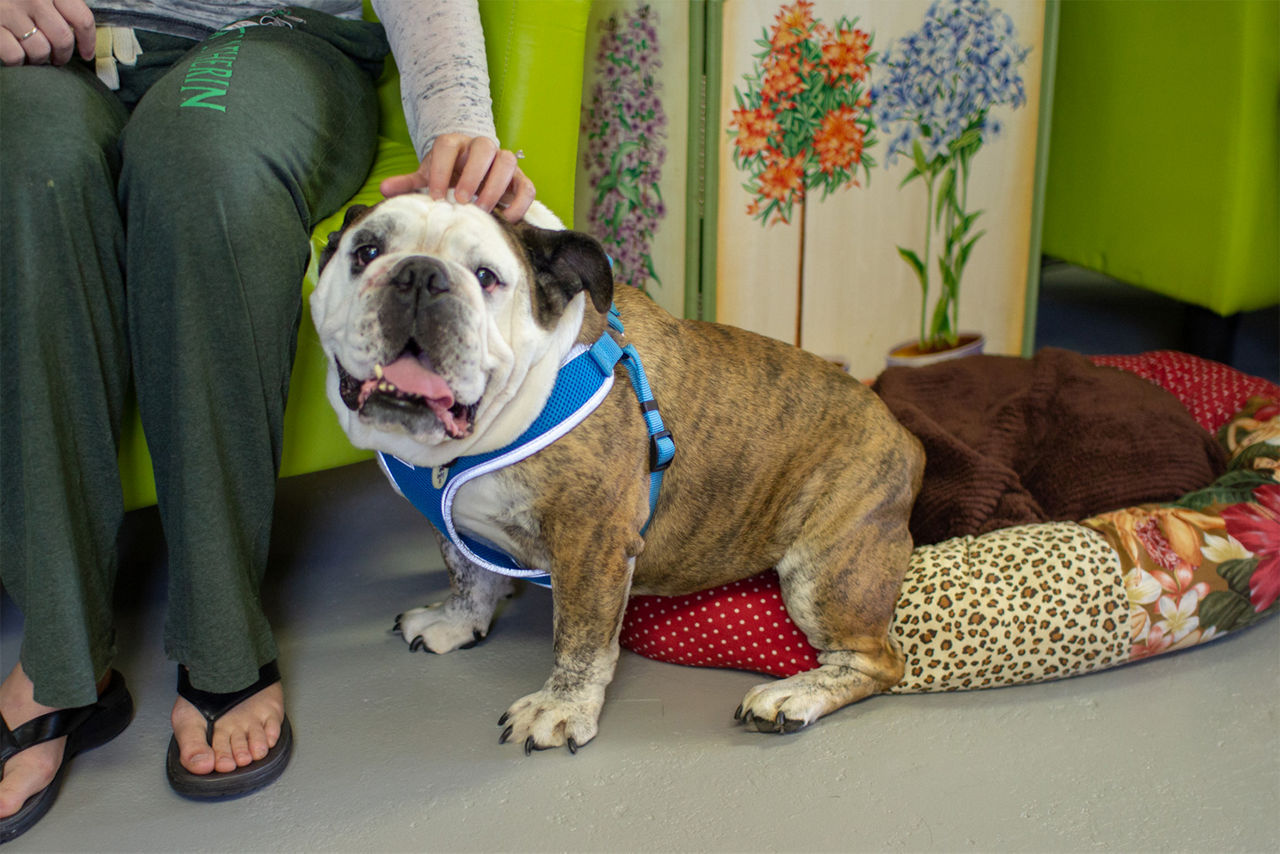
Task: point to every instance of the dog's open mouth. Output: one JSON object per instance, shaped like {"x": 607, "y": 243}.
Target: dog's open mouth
{"x": 408, "y": 386}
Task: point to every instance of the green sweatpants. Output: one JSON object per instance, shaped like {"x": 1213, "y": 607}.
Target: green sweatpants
{"x": 158, "y": 236}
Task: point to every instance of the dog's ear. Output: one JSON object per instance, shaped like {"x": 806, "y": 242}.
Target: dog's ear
{"x": 565, "y": 263}
{"x": 353, "y": 213}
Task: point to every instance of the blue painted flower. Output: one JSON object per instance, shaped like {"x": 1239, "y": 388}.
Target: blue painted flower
{"x": 943, "y": 79}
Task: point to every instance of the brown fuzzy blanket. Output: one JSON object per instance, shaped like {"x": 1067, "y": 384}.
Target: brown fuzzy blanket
{"x": 1011, "y": 441}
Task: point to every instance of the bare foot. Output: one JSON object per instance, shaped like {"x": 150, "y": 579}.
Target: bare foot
{"x": 240, "y": 737}
{"x": 34, "y": 768}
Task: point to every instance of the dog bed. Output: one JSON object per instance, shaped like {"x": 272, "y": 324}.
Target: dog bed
{"x": 1044, "y": 601}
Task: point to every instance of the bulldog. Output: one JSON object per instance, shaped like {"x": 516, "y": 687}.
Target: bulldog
{"x": 446, "y": 329}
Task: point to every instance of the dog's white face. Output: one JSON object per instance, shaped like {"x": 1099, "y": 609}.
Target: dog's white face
{"x": 445, "y": 326}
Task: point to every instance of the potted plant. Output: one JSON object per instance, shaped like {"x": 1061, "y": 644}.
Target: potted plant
{"x": 941, "y": 83}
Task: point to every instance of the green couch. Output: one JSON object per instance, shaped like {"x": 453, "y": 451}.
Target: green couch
{"x": 535, "y": 56}
{"x": 1162, "y": 158}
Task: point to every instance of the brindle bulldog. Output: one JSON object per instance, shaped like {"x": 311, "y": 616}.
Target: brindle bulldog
{"x": 446, "y": 329}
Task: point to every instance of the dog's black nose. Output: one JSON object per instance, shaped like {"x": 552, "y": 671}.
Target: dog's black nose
{"x": 420, "y": 272}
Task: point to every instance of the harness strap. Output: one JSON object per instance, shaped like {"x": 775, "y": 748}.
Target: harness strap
{"x": 662, "y": 448}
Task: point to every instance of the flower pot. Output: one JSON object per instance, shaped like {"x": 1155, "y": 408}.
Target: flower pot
{"x": 908, "y": 354}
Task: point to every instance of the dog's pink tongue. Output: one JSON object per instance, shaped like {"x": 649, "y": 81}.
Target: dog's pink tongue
{"x": 408, "y": 374}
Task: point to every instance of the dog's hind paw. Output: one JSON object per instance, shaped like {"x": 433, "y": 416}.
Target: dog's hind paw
{"x": 786, "y": 705}
{"x": 780, "y": 723}
{"x": 439, "y": 629}
{"x": 544, "y": 720}
{"x": 793, "y": 703}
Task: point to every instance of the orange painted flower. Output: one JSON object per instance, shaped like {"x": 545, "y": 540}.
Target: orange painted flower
{"x": 754, "y": 128}
{"x": 846, "y": 54}
{"x": 807, "y": 96}
{"x": 781, "y": 77}
{"x": 792, "y": 24}
{"x": 838, "y": 142}
{"x": 782, "y": 178}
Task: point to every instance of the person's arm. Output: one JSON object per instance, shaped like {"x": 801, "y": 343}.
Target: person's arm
{"x": 438, "y": 46}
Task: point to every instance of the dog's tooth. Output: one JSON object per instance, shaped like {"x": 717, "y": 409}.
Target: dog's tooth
{"x": 377, "y": 371}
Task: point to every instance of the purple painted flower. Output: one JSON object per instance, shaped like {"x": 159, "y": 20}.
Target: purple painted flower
{"x": 625, "y": 129}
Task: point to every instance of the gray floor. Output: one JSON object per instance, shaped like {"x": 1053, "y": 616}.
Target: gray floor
{"x": 399, "y": 751}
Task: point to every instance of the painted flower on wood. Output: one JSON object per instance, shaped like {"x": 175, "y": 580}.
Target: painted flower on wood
{"x": 935, "y": 105}
{"x": 624, "y": 128}
{"x": 802, "y": 122}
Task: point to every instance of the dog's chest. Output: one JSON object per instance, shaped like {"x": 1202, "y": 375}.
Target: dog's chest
{"x": 498, "y": 508}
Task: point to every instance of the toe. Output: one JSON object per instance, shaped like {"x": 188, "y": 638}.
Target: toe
{"x": 271, "y": 730}
{"x": 224, "y": 759}
{"x": 258, "y": 745}
{"x": 189, "y": 729}
{"x": 239, "y": 744}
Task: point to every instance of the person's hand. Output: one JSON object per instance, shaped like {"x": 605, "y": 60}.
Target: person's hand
{"x": 476, "y": 170}
{"x": 45, "y": 32}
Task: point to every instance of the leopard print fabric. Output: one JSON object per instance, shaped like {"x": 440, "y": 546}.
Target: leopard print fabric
{"x": 1019, "y": 605}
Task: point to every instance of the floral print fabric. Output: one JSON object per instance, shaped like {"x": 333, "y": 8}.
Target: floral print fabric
{"x": 1209, "y": 563}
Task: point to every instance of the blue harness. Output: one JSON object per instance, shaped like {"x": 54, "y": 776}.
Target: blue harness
{"x": 581, "y": 384}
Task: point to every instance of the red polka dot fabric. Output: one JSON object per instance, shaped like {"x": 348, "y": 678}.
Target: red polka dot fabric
{"x": 744, "y": 625}
{"x": 1211, "y": 391}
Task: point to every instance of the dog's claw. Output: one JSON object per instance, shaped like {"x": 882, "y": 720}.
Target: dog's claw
{"x": 573, "y": 745}
{"x": 477, "y": 636}
{"x": 502, "y": 720}
{"x": 506, "y": 733}
{"x": 417, "y": 644}
{"x": 737, "y": 713}
{"x": 528, "y": 746}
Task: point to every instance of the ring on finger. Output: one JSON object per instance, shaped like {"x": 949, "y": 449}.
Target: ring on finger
{"x": 28, "y": 34}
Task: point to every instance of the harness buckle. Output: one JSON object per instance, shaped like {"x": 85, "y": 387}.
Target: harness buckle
{"x": 656, "y": 463}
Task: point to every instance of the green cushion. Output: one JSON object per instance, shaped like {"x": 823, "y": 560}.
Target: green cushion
{"x": 1162, "y": 158}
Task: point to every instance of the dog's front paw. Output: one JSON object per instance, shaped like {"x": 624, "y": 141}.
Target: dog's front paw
{"x": 547, "y": 719}
{"x": 440, "y": 628}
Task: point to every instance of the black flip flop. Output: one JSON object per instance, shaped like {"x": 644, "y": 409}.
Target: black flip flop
{"x": 227, "y": 784}
{"x": 85, "y": 727}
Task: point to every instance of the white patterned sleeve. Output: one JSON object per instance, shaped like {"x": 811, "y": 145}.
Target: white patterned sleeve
{"x": 444, "y": 83}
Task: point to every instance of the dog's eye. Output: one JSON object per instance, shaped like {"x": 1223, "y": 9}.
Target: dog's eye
{"x": 487, "y": 278}
{"x": 365, "y": 254}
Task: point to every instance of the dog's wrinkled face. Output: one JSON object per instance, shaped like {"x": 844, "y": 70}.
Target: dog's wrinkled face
{"x": 444, "y": 325}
